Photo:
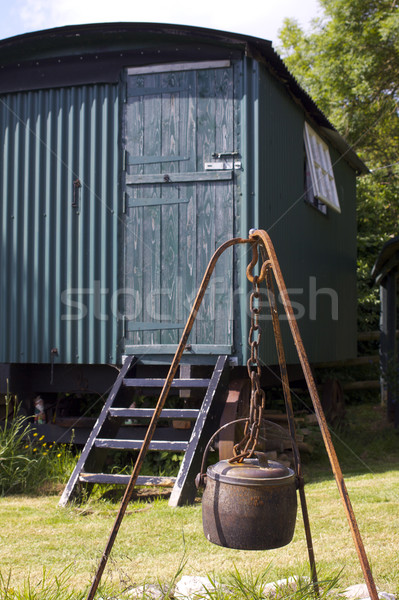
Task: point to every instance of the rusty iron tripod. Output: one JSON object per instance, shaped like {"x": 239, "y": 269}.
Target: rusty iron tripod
{"x": 257, "y": 238}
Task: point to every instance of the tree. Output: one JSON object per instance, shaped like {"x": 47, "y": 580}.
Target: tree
{"x": 349, "y": 64}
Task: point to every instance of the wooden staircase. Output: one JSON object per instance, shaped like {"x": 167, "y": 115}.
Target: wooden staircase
{"x": 117, "y": 409}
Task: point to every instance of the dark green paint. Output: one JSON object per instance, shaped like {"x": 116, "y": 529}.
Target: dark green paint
{"x": 317, "y": 253}
{"x": 150, "y": 216}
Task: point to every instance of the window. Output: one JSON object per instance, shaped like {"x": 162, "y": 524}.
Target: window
{"x": 319, "y": 176}
{"x": 309, "y": 192}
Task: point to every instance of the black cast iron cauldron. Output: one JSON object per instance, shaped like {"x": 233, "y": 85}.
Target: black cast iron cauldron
{"x": 248, "y": 506}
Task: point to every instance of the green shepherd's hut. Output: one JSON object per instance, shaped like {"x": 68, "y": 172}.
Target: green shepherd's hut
{"x": 130, "y": 152}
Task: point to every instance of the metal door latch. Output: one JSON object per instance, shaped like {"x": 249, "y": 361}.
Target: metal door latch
{"x": 223, "y": 161}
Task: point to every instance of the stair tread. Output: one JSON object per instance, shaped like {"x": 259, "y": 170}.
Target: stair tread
{"x": 118, "y": 479}
{"x": 136, "y": 444}
{"x": 167, "y": 413}
{"x": 111, "y": 419}
{"x": 154, "y": 383}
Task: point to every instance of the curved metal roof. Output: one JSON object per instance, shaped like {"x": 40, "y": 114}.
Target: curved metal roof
{"x": 387, "y": 260}
{"x": 98, "y": 44}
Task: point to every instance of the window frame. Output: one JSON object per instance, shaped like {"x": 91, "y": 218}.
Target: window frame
{"x": 318, "y": 162}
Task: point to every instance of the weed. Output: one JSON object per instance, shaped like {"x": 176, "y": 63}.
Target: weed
{"x": 26, "y": 460}
{"x": 257, "y": 586}
{"x": 49, "y": 587}
{"x": 243, "y": 586}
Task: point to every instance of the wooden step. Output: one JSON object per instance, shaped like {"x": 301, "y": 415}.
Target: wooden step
{"x": 114, "y": 479}
{"x": 167, "y": 413}
{"x": 136, "y": 445}
{"x": 159, "y": 383}
{"x": 111, "y": 433}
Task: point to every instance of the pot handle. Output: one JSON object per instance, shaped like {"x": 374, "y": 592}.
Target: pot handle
{"x": 200, "y": 480}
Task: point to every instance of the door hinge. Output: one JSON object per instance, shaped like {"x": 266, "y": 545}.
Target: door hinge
{"x": 124, "y": 326}
{"x": 232, "y": 154}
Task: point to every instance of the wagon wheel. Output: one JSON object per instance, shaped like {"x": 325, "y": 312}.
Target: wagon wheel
{"x": 332, "y": 400}
{"x": 237, "y": 397}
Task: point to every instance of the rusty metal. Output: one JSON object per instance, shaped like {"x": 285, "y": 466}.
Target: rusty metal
{"x": 290, "y": 417}
{"x": 246, "y": 447}
{"x": 253, "y": 263}
{"x": 248, "y": 506}
{"x": 77, "y": 184}
{"x": 201, "y": 477}
{"x": 261, "y": 237}
{"x": 160, "y": 404}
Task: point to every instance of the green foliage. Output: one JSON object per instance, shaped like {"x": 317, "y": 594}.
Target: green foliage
{"x": 349, "y": 64}
{"x": 27, "y": 462}
{"x": 245, "y": 585}
{"x": 365, "y": 442}
{"x": 368, "y": 435}
{"x": 252, "y": 586}
{"x": 14, "y": 464}
{"x": 50, "y": 587}
{"x": 162, "y": 463}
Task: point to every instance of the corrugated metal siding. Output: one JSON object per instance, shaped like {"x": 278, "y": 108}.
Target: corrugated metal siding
{"x": 54, "y": 255}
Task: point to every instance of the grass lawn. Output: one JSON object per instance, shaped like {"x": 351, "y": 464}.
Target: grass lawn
{"x": 35, "y": 534}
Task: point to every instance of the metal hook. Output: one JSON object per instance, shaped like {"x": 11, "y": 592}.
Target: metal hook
{"x": 77, "y": 184}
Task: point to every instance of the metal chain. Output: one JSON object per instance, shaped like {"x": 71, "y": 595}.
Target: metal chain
{"x": 246, "y": 447}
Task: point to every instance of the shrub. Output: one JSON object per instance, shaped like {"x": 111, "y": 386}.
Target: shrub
{"x": 26, "y": 460}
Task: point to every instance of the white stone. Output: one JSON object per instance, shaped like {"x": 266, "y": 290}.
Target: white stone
{"x": 359, "y": 591}
{"x": 386, "y": 596}
{"x": 271, "y": 589}
{"x": 149, "y": 590}
{"x": 192, "y": 587}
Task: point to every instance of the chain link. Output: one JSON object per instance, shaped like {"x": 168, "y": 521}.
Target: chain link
{"x": 246, "y": 447}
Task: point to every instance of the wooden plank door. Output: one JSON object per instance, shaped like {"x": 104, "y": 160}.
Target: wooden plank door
{"x": 179, "y": 204}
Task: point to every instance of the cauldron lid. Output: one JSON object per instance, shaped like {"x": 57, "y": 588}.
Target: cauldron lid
{"x": 250, "y": 472}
